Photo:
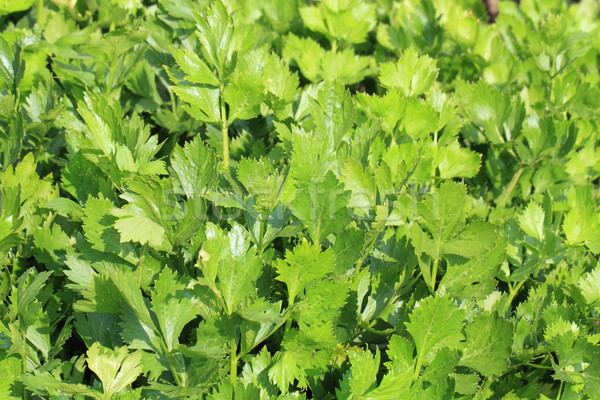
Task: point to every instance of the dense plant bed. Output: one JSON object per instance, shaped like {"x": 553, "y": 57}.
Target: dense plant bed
{"x": 299, "y": 199}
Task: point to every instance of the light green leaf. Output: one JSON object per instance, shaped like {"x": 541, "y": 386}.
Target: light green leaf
{"x": 362, "y": 185}
{"x": 195, "y": 68}
{"x": 454, "y": 161}
{"x": 532, "y": 221}
{"x": 475, "y": 277}
{"x": 419, "y": 119}
{"x": 134, "y": 226}
{"x": 116, "y": 369}
{"x": 348, "y": 21}
{"x": 11, "y": 6}
{"x": 318, "y": 64}
{"x": 101, "y": 134}
{"x": 244, "y": 95}
{"x": 412, "y": 74}
{"x": 215, "y": 32}
{"x": 203, "y": 102}
{"x": 582, "y": 227}
{"x": 590, "y": 286}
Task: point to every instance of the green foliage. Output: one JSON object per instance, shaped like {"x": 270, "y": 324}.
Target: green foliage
{"x": 299, "y": 199}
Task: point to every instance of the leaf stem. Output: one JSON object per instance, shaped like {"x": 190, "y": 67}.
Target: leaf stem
{"x": 434, "y": 274}
{"x": 111, "y": 78}
{"x": 367, "y": 250}
{"x": 173, "y": 105}
{"x": 560, "y": 390}
{"x": 224, "y": 129}
{"x": 233, "y": 358}
{"x": 263, "y": 229}
{"x": 538, "y": 366}
{"x": 370, "y": 329}
{"x": 40, "y": 12}
{"x": 24, "y": 362}
{"x": 514, "y": 291}
{"x": 511, "y": 186}
{"x": 172, "y": 367}
{"x": 418, "y": 368}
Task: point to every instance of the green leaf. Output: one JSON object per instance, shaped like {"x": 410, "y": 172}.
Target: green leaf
{"x": 98, "y": 327}
{"x": 10, "y": 370}
{"x": 215, "y": 32}
{"x": 211, "y": 339}
{"x": 305, "y": 264}
{"x": 489, "y": 344}
{"x": 321, "y": 206}
{"x": 244, "y": 95}
{"x": 139, "y": 327}
{"x": 51, "y": 244}
{"x": 101, "y": 134}
{"x": 12, "y": 64}
{"x": 419, "y": 119}
{"x": 318, "y": 64}
{"x": 412, "y": 23}
{"x": 390, "y": 107}
{"x": 150, "y": 213}
{"x": 498, "y": 114}
{"x": 226, "y": 391}
{"x": 443, "y": 364}
{"x": 364, "y": 369}
{"x": 262, "y": 181}
{"x": 98, "y": 290}
{"x": 195, "y": 166}
{"x": 239, "y": 271}
{"x": 43, "y": 383}
{"x": 322, "y": 303}
{"x": 11, "y": 6}
{"x": 27, "y": 292}
{"x": 475, "y": 277}
{"x": 230, "y": 265}
{"x": 435, "y": 322}
{"x": 65, "y": 207}
{"x": 302, "y": 352}
{"x": 393, "y": 384}
{"x": 98, "y": 226}
{"x": 400, "y": 352}
{"x": 82, "y": 178}
{"x": 173, "y": 306}
{"x": 442, "y": 213}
